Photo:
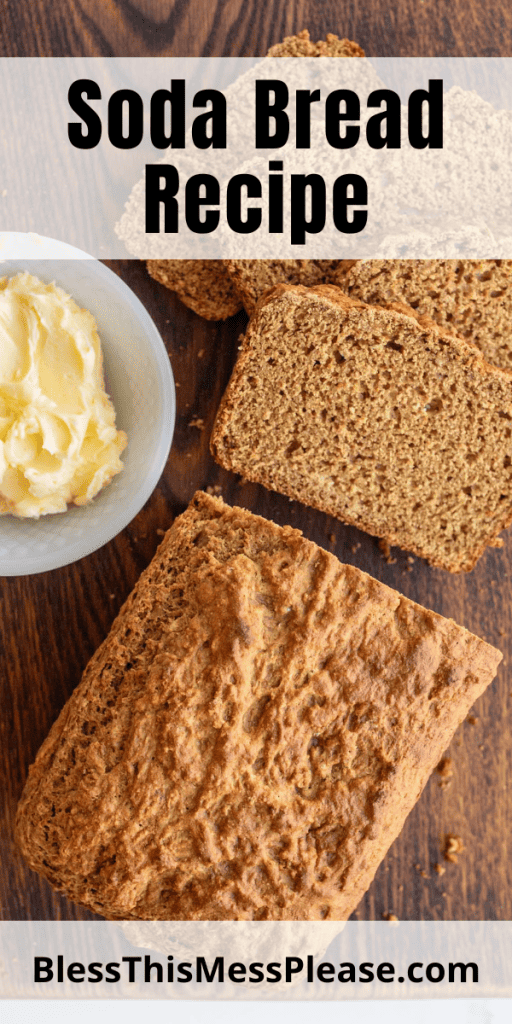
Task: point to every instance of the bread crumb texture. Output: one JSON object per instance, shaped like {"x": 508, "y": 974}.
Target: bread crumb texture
{"x": 472, "y": 298}
{"x": 203, "y": 285}
{"x": 374, "y": 415}
{"x": 249, "y": 739}
{"x": 252, "y": 278}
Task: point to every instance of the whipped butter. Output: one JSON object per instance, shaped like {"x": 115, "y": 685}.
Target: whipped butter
{"x": 58, "y": 439}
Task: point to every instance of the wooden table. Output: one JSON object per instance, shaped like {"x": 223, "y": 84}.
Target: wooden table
{"x": 52, "y": 623}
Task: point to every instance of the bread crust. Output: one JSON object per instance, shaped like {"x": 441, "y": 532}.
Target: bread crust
{"x": 202, "y": 285}
{"x": 253, "y": 278}
{"x": 248, "y": 740}
{"x": 472, "y": 298}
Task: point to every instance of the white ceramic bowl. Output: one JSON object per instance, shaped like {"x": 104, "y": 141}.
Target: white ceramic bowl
{"x": 138, "y": 378}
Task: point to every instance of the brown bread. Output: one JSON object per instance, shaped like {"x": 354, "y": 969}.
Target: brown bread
{"x": 215, "y": 289}
{"x": 302, "y": 46}
{"x": 202, "y": 285}
{"x": 375, "y": 416}
{"x": 252, "y": 278}
{"x": 250, "y": 737}
{"x": 470, "y": 297}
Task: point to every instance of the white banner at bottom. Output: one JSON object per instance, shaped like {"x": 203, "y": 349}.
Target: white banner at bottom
{"x": 255, "y": 960}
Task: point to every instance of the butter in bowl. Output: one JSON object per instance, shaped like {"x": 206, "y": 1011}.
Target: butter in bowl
{"x": 58, "y": 441}
{"x": 87, "y": 406}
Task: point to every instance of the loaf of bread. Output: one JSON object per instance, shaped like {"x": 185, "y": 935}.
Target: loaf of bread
{"x": 203, "y": 285}
{"x": 375, "y": 416}
{"x": 302, "y": 46}
{"x": 470, "y": 297}
{"x": 250, "y": 737}
{"x": 252, "y": 278}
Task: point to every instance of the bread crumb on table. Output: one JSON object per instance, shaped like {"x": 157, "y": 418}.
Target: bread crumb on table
{"x": 445, "y": 771}
{"x": 439, "y": 869}
{"x": 452, "y": 848}
{"x": 386, "y": 551}
{"x": 421, "y": 871}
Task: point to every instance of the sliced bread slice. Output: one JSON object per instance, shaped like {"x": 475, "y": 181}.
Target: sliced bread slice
{"x": 470, "y": 297}
{"x": 202, "y": 285}
{"x": 252, "y": 278}
{"x": 375, "y": 416}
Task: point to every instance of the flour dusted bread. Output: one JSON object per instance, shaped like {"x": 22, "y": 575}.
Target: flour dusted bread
{"x": 375, "y": 416}
{"x": 202, "y": 285}
{"x": 250, "y": 737}
{"x": 473, "y": 298}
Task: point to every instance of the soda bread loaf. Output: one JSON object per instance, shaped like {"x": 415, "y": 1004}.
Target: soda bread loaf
{"x": 252, "y": 278}
{"x": 302, "y": 46}
{"x": 471, "y": 297}
{"x": 375, "y": 416}
{"x": 250, "y": 737}
{"x": 202, "y": 285}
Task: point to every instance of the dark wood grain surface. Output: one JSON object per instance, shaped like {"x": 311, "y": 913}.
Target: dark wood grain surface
{"x": 52, "y": 623}
{"x": 246, "y": 28}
